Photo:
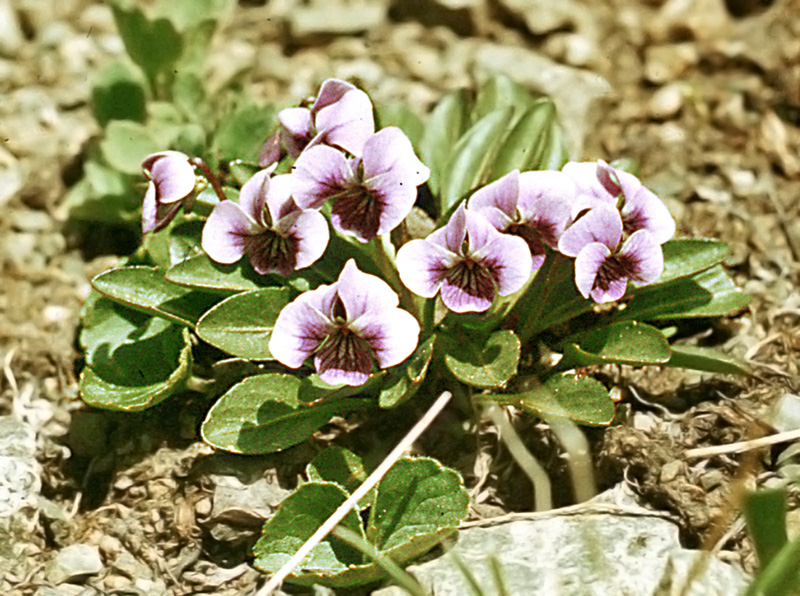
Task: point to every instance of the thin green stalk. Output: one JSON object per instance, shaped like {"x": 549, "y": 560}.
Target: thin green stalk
{"x": 463, "y": 568}
{"x": 579, "y": 461}
{"x": 542, "y": 488}
{"x": 383, "y": 254}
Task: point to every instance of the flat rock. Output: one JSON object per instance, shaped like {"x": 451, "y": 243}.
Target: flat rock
{"x": 74, "y": 562}
{"x": 19, "y": 471}
{"x": 339, "y": 17}
{"x": 609, "y": 545}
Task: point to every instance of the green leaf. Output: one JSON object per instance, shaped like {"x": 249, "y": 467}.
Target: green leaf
{"x": 263, "y": 414}
{"x": 403, "y": 381}
{"x": 153, "y": 44}
{"x": 314, "y": 389}
{"x": 488, "y": 365}
{"x": 200, "y": 271}
{"x": 535, "y": 142}
{"x": 581, "y": 399}
{"x": 138, "y": 374}
{"x": 765, "y": 513}
{"x": 419, "y": 502}
{"x": 685, "y": 257}
{"x": 339, "y": 465}
{"x": 145, "y": 288}
{"x": 187, "y": 14}
{"x": 472, "y": 156}
{"x": 500, "y": 92}
{"x": 630, "y": 342}
{"x": 448, "y": 121}
{"x": 242, "y": 133}
{"x": 710, "y": 293}
{"x": 119, "y": 93}
{"x": 708, "y": 360}
{"x": 296, "y": 519}
{"x": 242, "y": 324}
{"x": 126, "y": 144}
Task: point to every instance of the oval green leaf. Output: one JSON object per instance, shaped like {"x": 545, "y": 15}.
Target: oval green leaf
{"x": 339, "y": 465}
{"x": 242, "y": 324}
{"x": 403, "y": 381}
{"x": 488, "y": 365}
{"x": 119, "y": 93}
{"x": 581, "y": 399}
{"x": 139, "y": 374}
{"x": 629, "y": 342}
{"x": 126, "y": 144}
{"x": 263, "y": 414}
{"x": 145, "y": 289}
{"x": 200, "y": 271}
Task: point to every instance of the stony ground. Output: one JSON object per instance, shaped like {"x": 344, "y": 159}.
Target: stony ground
{"x": 703, "y": 94}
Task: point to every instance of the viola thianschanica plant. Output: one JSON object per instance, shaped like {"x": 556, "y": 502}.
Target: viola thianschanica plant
{"x": 363, "y": 258}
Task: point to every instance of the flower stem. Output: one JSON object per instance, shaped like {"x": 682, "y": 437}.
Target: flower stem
{"x": 384, "y": 254}
{"x": 210, "y": 176}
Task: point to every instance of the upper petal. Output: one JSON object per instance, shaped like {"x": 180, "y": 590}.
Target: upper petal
{"x": 330, "y": 92}
{"x": 361, "y": 292}
{"x": 319, "y": 173}
{"x": 390, "y": 151}
{"x": 173, "y": 176}
{"x": 600, "y": 224}
{"x": 279, "y": 197}
{"x": 297, "y": 128}
{"x": 227, "y": 232}
{"x": 348, "y": 122}
{"x": 455, "y": 231}
{"x": 253, "y": 196}
{"x": 423, "y": 265}
{"x": 501, "y": 194}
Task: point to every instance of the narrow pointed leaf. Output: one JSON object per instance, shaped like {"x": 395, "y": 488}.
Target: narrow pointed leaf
{"x": 242, "y": 324}
{"x": 486, "y": 365}
{"x": 708, "y": 360}
{"x": 533, "y": 144}
{"x": 472, "y": 157}
{"x": 765, "y": 513}
{"x": 145, "y": 289}
{"x": 684, "y": 257}
{"x": 581, "y": 399}
{"x": 630, "y": 342}
{"x": 448, "y": 121}
{"x": 710, "y": 293}
{"x": 138, "y": 374}
{"x": 263, "y": 414}
{"x": 500, "y": 92}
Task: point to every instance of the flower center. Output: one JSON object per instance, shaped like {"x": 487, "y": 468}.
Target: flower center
{"x": 346, "y": 351}
{"x": 274, "y": 252}
{"x": 358, "y": 211}
{"x": 614, "y": 268}
{"x": 472, "y": 277}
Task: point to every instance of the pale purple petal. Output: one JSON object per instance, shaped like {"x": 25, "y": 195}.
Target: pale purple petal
{"x": 330, "y": 92}
{"x": 587, "y": 265}
{"x": 155, "y": 215}
{"x": 279, "y": 198}
{"x": 347, "y": 123}
{"x": 253, "y": 197}
{"x": 297, "y": 129}
{"x": 298, "y": 332}
{"x": 226, "y": 233}
{"x": 502, "y": 194}
{"x": 173, "y": 176}
{"x": 601, "y": 224}
{"x": 309, "y": 229}
{"x": 270, "y": 153}
{"x": 468, "y": 288}
{"x": 479, "y": 231}
{"x": 344, "y": 359}
{"x": 584, "y": 174}
{"x": 361, "y": 292}
{"x": 645, "y": 211}
{"x": 508, "y": 261}
{"x": 642, "y": 257}
{"x": 499, "y": 220}
{"x": 615, "y": 290}
{"x": 320, "y": 173}
{"x": 422, "y": 266}
{"x": 392, "y": 334}
{"x": 390, "y": 152}
{"x": 456, "y": 230}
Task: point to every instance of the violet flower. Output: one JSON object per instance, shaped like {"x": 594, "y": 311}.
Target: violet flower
{"x": 346, "y": 326}
{"x": 536, "y": 206}
{"x": 171, "y": 181}
{"x": 640, "y": 208}
{"x": 266, "y": 223}
{"x": 468, "y": 260}
{"x": 371, "y": 194}
{"x": 341, "y": 117}
{"x": 603, "y": 262}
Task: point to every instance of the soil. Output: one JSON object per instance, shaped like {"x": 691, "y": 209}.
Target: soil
{"x": 703, "y": 95}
